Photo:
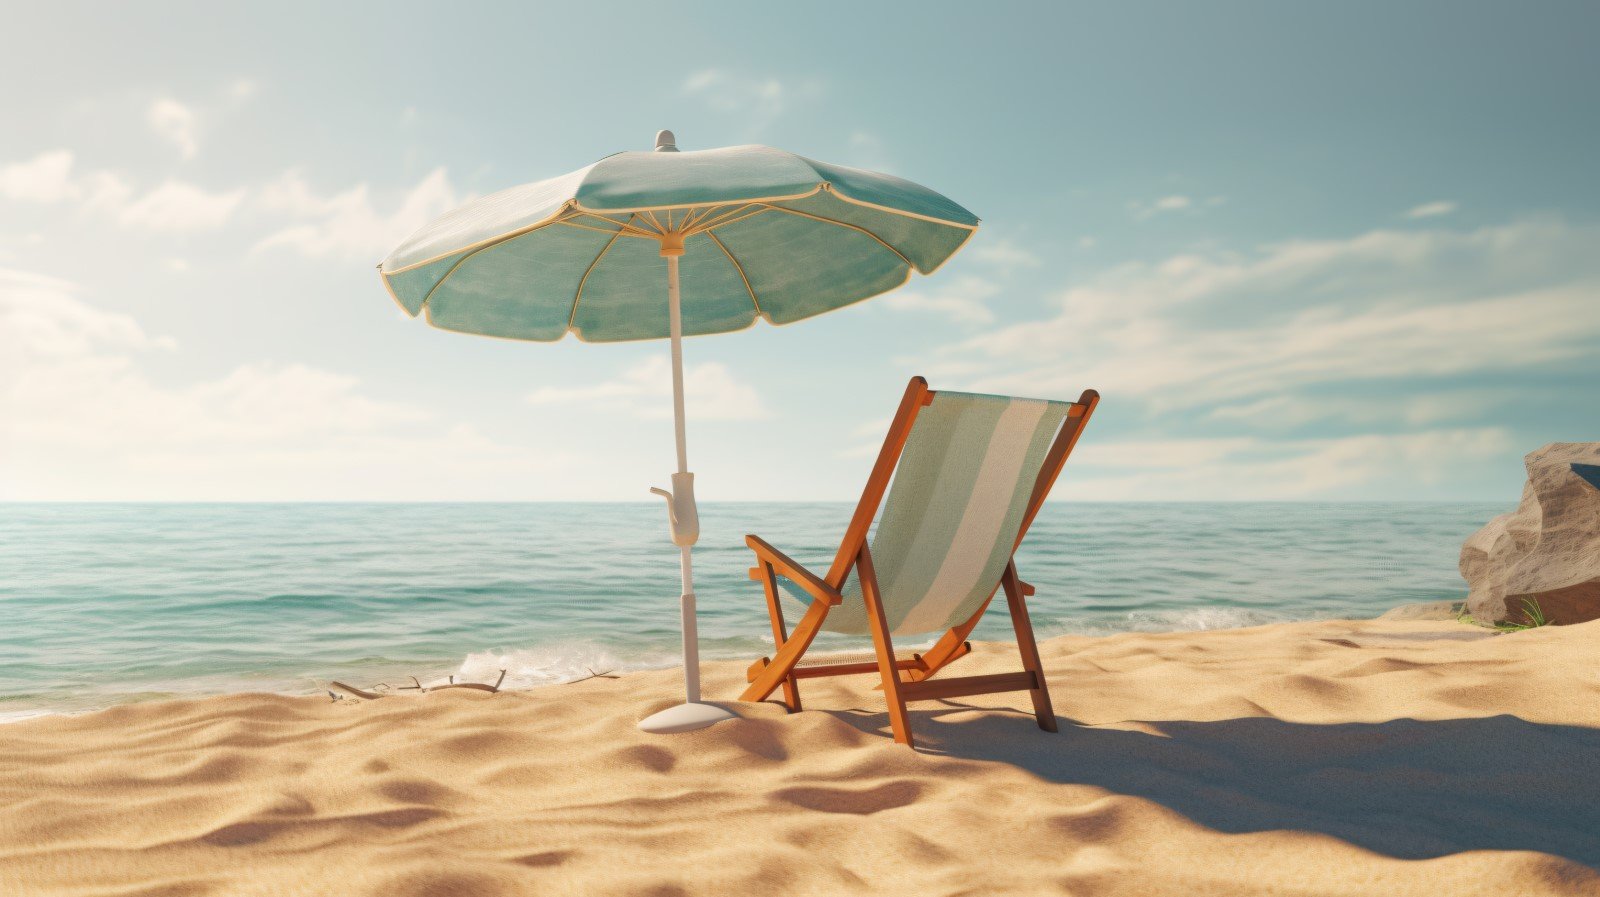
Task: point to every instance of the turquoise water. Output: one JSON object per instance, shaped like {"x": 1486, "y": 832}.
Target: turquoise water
{"x": 110, "y": 603}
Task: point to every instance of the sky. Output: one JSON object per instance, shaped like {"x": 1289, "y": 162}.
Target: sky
{"x": 1328, "y": 252}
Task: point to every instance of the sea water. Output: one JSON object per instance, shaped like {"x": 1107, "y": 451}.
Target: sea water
{"x": 106, "y": 603}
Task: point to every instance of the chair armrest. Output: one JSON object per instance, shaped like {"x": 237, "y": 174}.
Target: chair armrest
{"x": 786, "y": 566}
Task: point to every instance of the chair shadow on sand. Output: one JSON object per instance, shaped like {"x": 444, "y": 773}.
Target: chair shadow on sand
{"x": 1405, "y": 788}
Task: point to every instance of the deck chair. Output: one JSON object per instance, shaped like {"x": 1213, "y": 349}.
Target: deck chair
{"x": 970, "y": 473}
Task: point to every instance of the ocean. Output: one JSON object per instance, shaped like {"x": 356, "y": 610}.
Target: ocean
{"x": 107, "y": 603}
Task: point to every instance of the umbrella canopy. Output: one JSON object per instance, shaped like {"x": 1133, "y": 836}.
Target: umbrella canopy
{"x": 744, "y": 232}
{"x": 764, "y": 233}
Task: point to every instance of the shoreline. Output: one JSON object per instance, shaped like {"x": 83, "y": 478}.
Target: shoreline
{"x": 1434, "y": 610}
{"x": 1347, "y": 757}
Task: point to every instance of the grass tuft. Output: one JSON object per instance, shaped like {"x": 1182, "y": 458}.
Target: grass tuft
{"x": 1530, "y": 607}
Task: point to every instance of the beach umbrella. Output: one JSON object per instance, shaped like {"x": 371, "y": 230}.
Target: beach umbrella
{"x": 668, "y": 244}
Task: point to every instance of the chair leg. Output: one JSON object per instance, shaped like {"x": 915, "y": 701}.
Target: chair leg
{"x": 780, "y": 634}
{"x": 899, "y": 721}
{"x": 1029, "y": 649}
{"x": 789, "y": 654}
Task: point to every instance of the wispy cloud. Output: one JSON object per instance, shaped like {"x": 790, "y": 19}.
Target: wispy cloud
{"x": 757, "y": 99}
{"x": 348, "y": 223}
{"x": 1360, "y": 342}
{"x": 177, "y": 124}
{"x": 172, "y": 205}
{"x": 177, "y": 206}
{"x": 46, "y": 178}
{"x": 1251, "y": 468}
{"x": 84, "y": 418}
{"x": 966, "y": 299}
{"x": 241, "y": 89}
{"x": 711, "y": 392}
{"x": 1432, "y": 209}
{"x": 1176, "y": 202}
{"x": 963, "y": 300}
{"x": 1384, "y": 305}
{"x": 1002, "y": 253}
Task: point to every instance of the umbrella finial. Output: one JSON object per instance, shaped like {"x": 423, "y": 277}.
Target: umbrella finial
{"x": 665, "y": 142}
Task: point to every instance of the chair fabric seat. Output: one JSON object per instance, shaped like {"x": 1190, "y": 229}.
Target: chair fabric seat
{"x": 953, "y": 512}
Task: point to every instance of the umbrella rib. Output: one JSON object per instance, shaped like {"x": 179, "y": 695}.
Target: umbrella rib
{"x": 573, "y": 315}
{"x": 693, "y": 216}
{"x": 626, "y": 228}
{"x": 463, "y": 260}
{"x": 724, "y": 215}
{"x": 740, "y": 268}
{"x": 854, "y": 227}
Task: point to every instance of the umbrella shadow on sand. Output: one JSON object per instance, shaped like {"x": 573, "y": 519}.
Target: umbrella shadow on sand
{"x": 1405, "y": 788}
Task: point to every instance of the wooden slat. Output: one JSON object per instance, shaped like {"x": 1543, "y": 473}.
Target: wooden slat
{"x": 849, "y": 669}
{"x": 961, "y": 686}
{"x": 946, "y": 651}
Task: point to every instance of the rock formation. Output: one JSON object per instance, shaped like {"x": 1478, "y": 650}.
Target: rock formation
{"x": 1547, "y": 551}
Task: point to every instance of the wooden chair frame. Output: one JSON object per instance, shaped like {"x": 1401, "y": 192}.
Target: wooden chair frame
{"x": 767, "y": 674}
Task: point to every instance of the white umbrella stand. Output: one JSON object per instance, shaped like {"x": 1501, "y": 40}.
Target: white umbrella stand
{"x": 683, "y": 520}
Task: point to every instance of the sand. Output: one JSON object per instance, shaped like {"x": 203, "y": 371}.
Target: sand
{"x": 1362, "y": 758}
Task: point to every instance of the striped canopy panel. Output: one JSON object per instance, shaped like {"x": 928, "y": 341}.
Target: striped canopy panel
{"x": 952, "y": 515}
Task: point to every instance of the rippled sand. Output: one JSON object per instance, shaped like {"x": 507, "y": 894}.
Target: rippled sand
{"x": 1359, "y": 758}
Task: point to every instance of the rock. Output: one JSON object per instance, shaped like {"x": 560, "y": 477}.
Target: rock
{"x": 1546, "y": 551}
{"x": 1427, "y": 610}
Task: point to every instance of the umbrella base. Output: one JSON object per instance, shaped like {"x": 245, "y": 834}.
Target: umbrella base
{"x": 685, "y": 718}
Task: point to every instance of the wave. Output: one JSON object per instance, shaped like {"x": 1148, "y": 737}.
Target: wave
{"x": 546, "y": 665}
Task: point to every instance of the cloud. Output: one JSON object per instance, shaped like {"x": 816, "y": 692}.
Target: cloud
{"x": 962, "y": 300}
{"x": 83, "y": 419}
{"x": 965, "y": 300}
{"x": 1165, "y": 204}
{"x": 347, "y": 224}
{"x": 711, "y": 392}
{"x": 758, "y": 100}
{"x": 177, "y": 124}
{"x": 177, "y": 206}
{"x": 871, "y": 435}
{"x": 1381, "y": 306}
{"x": 46, "y": 178}
{"x": 1249, "y": 468}
{"x": 867, "y": 151}
{"x": 241, "y": 89}
{"x": 171, "y": 206}
{"x": 1308, "y": 368}
{"x": 1284, "y": 412}
{"x": 1002, "y": 253}
{"x": 1432, "y": 209}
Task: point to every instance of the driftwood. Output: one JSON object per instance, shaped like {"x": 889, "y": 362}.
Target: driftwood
{"x": 491, "y": 689}
{"x": 356, "y": 691}
{"x": 382, "y": 687}
{"x": 418, "y": 686}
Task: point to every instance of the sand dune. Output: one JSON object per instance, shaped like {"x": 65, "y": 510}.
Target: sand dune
{"x": 1359, "y": 758}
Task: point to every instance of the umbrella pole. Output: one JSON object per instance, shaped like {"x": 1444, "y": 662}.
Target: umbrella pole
{"x": 684, "y": 522}
{"x": 691, "y": 629}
